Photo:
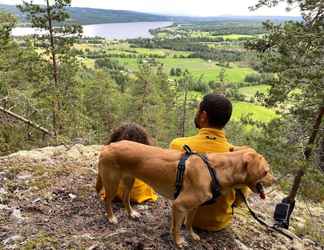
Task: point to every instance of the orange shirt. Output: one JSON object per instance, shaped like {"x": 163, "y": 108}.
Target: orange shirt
{"x": 216, "y": 216}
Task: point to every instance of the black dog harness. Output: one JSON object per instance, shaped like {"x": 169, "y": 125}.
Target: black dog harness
{"x": 215, "y": 187}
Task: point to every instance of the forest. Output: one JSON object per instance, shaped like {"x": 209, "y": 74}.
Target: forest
{"x": 61, "y": 88}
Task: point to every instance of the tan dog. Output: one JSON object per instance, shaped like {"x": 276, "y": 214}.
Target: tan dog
{"x": 157, "y": 167}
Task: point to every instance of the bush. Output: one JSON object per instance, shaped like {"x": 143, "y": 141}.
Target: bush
{"x": 252, "y": 78}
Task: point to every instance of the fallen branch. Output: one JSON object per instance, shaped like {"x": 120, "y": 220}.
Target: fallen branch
{"x": 29, "y": 122}
{"x": 120, "y": 231}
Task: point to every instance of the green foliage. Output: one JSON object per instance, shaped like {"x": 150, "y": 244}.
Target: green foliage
{"x": 293, "y": 53}
{"x": 7, "y": 22}
{"x": 252, "y": 78}
{"x": 56, "y": 44}
{"x": 101, "y": 112}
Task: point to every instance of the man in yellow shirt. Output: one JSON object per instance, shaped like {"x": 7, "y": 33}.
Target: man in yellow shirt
{"x": 213, "y": 114}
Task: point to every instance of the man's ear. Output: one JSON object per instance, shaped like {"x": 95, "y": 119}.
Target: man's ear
{"x": 203, "y": 117}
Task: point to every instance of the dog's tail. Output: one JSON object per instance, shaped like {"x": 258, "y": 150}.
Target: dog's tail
{"x": 99, "y": 183}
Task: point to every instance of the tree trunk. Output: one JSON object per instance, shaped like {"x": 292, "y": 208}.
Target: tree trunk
{"x": 56, "y": 106}
{"x": 184, "y": 114}
{"x": 307, "y": 153}
{"x": 143, "y": 104}
{"x": 321, "y": 155}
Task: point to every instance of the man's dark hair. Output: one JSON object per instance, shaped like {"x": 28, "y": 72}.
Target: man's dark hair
{"x": 131, "y": 132}
{"x": 218, "y": 109}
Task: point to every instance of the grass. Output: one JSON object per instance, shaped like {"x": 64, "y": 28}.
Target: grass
{"x": 233, "y": 37}
{"x": 166, "y": 52}
{"x": 259, "y": 113}
{"x": 252, "y": 90}
{"x": 198, "y": 67}
{"x": 89, "y": 63}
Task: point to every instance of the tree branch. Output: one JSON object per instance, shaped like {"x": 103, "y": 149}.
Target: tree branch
{"x": 20, "y": 118}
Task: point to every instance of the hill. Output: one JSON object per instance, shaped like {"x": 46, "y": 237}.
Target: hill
{"x": 48, "y": 201}
{"x": 87, "y": 16}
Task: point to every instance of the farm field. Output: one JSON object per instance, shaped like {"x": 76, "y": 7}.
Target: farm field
{"x": 258, "y": 113}
{"x": 198, "y": 67}
{"x": 252, "y": 90}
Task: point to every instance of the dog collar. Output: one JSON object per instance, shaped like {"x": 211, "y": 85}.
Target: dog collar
{"x": 215, "y": 186}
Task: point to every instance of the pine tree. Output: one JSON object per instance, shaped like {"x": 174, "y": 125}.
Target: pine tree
{"x": 166, "y": 89}
{"x": 145, "y": 102}
{"x": 184, "y": 84}
{"x": 56, "y": 44}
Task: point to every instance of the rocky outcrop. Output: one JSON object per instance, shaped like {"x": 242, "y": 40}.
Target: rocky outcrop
{"x": 48, "y": 201}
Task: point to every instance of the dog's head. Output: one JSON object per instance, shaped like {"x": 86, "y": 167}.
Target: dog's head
{"x": 258, "y": 172}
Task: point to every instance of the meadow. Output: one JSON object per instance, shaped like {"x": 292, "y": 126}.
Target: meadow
{"x": 256, "y": 112}
{"x": 207, "y": 70}
{"x": 251, "y": 91}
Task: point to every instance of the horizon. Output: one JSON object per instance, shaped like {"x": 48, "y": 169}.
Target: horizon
{"x": 191, "y": 8}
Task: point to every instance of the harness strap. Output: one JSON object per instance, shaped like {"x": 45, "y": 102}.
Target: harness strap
{"x": 180, "y": 173}
{"x": 215, "y": 186}
{"x": 214, "y": 181}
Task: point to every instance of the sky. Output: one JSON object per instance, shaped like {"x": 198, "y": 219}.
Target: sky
{"x": 181, "y": 7}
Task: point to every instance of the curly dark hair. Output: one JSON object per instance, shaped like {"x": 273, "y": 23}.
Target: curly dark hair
{"x": 131, "y": 132}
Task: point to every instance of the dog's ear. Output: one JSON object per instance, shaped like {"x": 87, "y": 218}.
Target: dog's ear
{"x": 248, "y": 159}
{"x": 253, "y": 166}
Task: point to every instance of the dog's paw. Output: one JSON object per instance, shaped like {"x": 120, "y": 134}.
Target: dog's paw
{"x": 181, "y": 243}
{"x": 113, "y": 220}
{"x": 102, "y": 195}
{"x": 194, "y": 236}
{"x": 134, "y": 214}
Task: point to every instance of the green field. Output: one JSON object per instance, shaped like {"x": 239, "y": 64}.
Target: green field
{"x": 259, "y": 113}
{"x": 252, "y": 90}
{"x": 198, "y": 67}
{"x": 234, "y": 37}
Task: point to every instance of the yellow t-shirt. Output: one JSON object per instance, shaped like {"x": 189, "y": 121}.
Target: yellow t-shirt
{"x": 216, "y": 216}
{"x": 140, "y": 192}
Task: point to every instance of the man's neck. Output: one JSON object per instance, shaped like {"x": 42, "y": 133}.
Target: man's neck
{"x": 210, "y": 127}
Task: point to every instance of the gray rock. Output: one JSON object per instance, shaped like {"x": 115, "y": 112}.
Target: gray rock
{"x": 13, "y": 239}
{"x": 241, "y": 245}
{"x": 16, "y": 215}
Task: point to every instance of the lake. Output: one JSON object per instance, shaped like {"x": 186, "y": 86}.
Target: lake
{"x": 107, "y": 30}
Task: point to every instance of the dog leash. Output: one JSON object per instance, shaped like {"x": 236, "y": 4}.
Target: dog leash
{"x": 262, "y": 222}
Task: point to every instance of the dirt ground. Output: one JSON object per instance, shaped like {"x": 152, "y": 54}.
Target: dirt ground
{"x": 48, "y": 201}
